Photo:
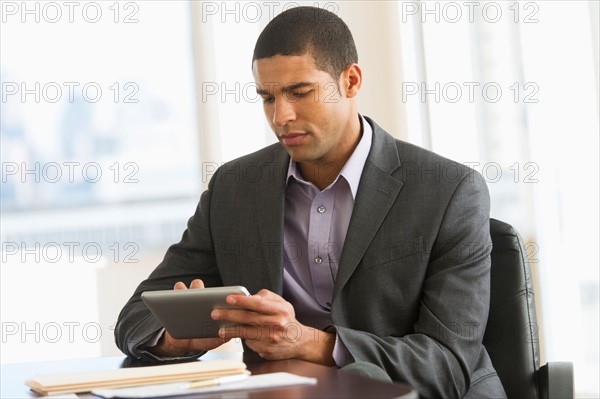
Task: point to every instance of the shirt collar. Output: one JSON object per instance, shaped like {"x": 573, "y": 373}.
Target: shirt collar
{"x": 352, "y": 170}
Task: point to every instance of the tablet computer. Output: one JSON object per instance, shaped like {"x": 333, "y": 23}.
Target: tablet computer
{"x": 186, "y": 313}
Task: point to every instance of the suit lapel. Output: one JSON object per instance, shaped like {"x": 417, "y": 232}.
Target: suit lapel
{"x": 270, "y": 201}
{"x": 376, "y": 194}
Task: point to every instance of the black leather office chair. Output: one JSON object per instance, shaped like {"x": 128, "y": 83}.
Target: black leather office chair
{"x": 511, "y": 335}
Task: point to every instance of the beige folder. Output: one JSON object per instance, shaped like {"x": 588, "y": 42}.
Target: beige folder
{"x": 56, "y": 383}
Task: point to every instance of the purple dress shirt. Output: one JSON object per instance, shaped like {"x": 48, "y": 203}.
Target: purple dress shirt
{"x": 315, "y": 226}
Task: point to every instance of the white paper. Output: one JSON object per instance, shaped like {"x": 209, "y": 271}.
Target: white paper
{"x": 260, "y": 381}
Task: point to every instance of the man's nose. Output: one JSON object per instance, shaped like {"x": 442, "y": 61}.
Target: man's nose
{"x": 283, "y": 112}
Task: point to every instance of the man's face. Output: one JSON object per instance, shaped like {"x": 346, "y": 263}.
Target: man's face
{"x": 308, "y": 114}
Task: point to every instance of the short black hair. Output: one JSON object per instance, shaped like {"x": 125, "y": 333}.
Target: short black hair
{"x": 317, "y": 31}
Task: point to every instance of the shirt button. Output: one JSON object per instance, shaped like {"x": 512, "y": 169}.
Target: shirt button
{"x": 318, "y": 260}
{"x": 321, "y": 209}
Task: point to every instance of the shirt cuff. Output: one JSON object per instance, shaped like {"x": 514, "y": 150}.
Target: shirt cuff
{"x": 341, "y": 354}
{"x": 153, "y": 341}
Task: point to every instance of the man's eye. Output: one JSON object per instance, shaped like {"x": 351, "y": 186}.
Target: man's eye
{"x": 301, "y": 94}
{"x": 268, "y": 100}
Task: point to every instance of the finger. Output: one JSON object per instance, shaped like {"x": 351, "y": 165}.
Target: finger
{"x": 267, "y": 332}
{"x": 247, "y": 332}
{"x": 270, "y": 295}
{"x": 260, "y": 304}
{"x": 197, "y": 283}
{"x": 242, "y": 316}
{"x": 180, "y": 286}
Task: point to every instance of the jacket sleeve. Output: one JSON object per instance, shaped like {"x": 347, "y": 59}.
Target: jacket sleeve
{"x": 445, "y": 344}
{"x": 193, "y": 257}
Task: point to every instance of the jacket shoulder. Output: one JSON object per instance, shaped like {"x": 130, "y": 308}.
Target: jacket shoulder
{"x": 268, "y": 163}
{"x": 268, "y": 154}
{"x": 420, "y": 163}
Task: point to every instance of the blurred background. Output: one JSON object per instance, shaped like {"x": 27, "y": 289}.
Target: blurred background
{"x": 114, "y": 116}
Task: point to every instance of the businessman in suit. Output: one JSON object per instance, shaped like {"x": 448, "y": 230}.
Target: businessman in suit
{"x": 358, "y": 248}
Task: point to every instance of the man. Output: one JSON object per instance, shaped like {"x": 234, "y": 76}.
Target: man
{"x": 357, "y": 247}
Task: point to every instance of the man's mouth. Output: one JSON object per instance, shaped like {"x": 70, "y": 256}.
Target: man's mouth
{"x": 292, "y": 138}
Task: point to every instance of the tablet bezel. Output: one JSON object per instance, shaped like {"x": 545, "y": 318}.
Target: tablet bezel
{"x": 185, "y": 314}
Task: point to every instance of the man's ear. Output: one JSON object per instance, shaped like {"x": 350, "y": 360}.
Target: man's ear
{"x": 351, "y": 80}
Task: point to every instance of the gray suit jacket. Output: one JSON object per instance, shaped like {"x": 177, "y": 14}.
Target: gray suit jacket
{"x": 412, "y": 290}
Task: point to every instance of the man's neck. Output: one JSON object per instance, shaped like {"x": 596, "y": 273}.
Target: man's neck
{"x": 322, "y": 173}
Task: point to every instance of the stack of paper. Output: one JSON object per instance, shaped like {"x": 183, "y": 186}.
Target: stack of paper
{"x": 126, "y": 377}
{"x": 262, "y": 381}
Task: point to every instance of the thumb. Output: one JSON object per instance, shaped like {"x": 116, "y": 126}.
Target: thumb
{"x": 197, "y": 283}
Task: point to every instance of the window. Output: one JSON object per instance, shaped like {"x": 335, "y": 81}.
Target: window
{"x": 511, "y": 89}
{"x": 100, "y": 164}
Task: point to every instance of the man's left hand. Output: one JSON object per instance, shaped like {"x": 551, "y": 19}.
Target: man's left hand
{"x": 269, "y": 327}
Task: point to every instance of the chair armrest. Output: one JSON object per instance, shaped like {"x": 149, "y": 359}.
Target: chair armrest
{"x": 555, "y": 380}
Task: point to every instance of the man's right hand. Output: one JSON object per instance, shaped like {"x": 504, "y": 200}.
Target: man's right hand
{"x": 169, "y": 346}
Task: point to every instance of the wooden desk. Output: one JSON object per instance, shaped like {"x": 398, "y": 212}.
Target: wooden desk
{"x": 332, "y": 383}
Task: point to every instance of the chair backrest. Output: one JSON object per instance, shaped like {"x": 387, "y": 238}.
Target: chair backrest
{"x": 511, "y": 335}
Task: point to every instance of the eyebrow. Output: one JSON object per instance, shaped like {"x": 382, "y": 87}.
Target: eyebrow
{"x": 286, "y": 89}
